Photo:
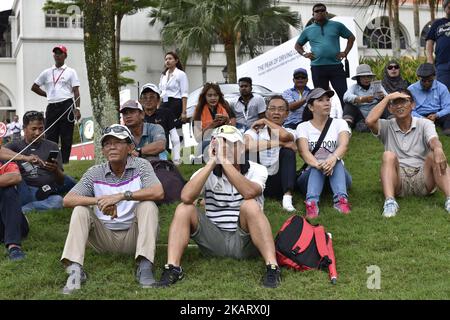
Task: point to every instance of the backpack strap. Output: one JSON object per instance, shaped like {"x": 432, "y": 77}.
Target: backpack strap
{"x": 321, "y": 243}
{"x": 305, "y": 238}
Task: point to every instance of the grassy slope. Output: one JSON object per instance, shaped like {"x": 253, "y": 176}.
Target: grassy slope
{"x": 412, "y": 251}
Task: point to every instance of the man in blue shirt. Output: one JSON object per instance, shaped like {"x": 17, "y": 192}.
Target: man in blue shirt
{"x": 323, "y": 36}
{"x": 440, "y": 34}
{"x": 431, "y": 97}
{"x": 295, "y": 96}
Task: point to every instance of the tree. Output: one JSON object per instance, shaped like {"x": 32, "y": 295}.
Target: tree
{"x": 237, "y": 24}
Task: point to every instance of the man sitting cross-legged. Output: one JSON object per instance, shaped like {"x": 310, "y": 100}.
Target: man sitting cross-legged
{"x": 234, "y": 224}
{"x": 114, "y": 209}
{"x": 414, "y": 162}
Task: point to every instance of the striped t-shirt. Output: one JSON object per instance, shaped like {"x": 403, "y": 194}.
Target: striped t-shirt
{"x": 223, "y": 200}
{"x": 100, "y": 180}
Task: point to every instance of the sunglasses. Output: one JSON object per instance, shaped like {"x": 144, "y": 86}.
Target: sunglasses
{"x": 320, "y": 11}
{"x": 33, "y": 114}
{"x": 300, "y": 77}
{"x": 393, "y": 67}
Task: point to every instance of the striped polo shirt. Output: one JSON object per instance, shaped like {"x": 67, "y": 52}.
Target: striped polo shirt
{"x": 223, "y": 200}
{"x": 100, "y": 180}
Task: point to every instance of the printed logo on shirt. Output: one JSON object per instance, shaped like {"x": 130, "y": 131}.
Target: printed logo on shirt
{"x": 329, "y": 145}
{"x": 444, "y": 30}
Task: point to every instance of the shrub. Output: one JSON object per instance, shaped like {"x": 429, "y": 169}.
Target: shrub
{"x": 408, "y": 66}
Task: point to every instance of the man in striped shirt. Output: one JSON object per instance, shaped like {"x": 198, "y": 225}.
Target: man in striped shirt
{"x": 114, "y": 209}
{"x": 233, "y": 224}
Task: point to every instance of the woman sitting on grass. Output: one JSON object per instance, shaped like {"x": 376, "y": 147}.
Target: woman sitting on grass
{"x": 212, "y": 111}
{"x": 324, "y": 161}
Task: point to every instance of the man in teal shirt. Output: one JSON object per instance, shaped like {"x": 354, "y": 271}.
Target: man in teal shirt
{"x": 323, "y": 36}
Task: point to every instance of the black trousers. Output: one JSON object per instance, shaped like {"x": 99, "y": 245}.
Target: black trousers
{"x": 444, "y": 122}
{"x": 284, "y": 180}
{"x": 63, "y": 128}
{"x": 334, "y": 73}
{"x": 13, "y": 225}
{"x": 352, "y": 112}
{"x": 175, "y": 106}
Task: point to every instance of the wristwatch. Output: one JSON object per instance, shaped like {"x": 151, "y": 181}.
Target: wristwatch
{"x": 139, "y": 151}
{"x": 128, "y": 195}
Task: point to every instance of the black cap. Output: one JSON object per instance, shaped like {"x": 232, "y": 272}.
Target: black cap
{"x": 317, "y": 93}
{"x": 426, "y": 70}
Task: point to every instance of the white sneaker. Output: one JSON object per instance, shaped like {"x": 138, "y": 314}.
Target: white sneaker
{"x": 390, "y": 208}
{"x": 447, "y": 205}
{"x": 287, "y": 203}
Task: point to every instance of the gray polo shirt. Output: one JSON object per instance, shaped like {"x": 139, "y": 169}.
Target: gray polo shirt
{"x": 411, "y": 147}
{"x": 246, "y": 116}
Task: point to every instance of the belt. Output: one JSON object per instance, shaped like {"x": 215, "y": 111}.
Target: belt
{"x": 61, "y": 102}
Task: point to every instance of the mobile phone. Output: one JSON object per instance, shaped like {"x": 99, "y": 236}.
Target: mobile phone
{"x": 52, "y": 156}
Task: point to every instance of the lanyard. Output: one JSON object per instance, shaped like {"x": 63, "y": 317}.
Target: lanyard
{"x": 53, "y": 74}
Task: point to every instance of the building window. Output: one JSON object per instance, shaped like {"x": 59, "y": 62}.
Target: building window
{"x": 274, "y": 38}
{"x": 56, "y": 20}
{"x": 424, "y": 33}
{"x": 377, "y": 35}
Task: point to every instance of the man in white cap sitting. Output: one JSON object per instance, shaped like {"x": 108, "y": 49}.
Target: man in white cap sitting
{"x": 114, "y": 210}
{"x": 233, "y": 224}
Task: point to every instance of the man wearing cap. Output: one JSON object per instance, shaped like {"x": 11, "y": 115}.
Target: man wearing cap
{"x": 61, "y": 87}
{"x": 440, "y": 34}
{"x": 295, "y": 96}
{"x": 150, "y": 138}
{"x": 414, "y": 161}
{"x": 431, "y": 98}
{"x": 249, "y": 107}
{"x": 361, "y": 97}
{"x": 233, "y": 224}
{"x": 114, "y": 210}
{"x": 150, "y": 99}
{"x": 323, "y": 35}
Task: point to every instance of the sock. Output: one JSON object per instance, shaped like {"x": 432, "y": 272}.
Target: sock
{"x": 287, "y": 200}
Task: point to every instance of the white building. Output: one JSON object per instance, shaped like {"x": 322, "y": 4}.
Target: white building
{"x": 28, "y": 34}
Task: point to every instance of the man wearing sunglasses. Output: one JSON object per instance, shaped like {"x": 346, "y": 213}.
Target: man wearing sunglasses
{"x": 233, "y": 224}
{"x": 114, "y": 210}
{"x": 431, "y": 97}
{"x": 61, "y": 88}
{"x": 326, "y": 55}
{"x": 414, "y": 162}
{"x": 439, "y": 34}
{"x": 295, "y": 96}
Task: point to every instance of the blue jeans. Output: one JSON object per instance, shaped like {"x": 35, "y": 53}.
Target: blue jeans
{"x": 13, "y": 225}
{"x": 29, "y": 201}
{"x": 311, "y": 182}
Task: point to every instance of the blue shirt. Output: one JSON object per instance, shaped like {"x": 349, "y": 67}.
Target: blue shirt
{"x": 324, "y": 41}
{"x": 436, "y": 100}
{"x": 291, "y": 95}
{"x": 152, "y": 133}
{"x": 357, "y": 91}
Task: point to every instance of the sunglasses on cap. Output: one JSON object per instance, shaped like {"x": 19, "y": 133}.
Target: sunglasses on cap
{"x": 32, "y": 114}
{"x": 393, "y": 67}
{"x": 116, "y": 129}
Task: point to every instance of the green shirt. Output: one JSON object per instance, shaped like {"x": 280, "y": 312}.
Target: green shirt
{"x": 324, "y": 41}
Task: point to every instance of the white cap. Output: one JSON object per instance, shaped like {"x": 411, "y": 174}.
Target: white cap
{"x": 152, "y": 87}
{"x": 229, "y": 133}
{"x": 119, "y": 131}
{"x": 131, "y": 104}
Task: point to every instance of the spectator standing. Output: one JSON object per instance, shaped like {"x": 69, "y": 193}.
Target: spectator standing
{"x": 16, "y": 129}
{"x": 61, "y": 87}
{"x": 439, "y": 34}
{"x": 326, "y": 55}
{"x": 249, "y": 107}
{"x": 431, "y": 98}
{"x": 174, "y": 87}
{"x": 295, "y": 96}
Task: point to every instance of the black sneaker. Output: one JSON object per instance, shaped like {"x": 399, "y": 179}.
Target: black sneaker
{"x": 16, "y": 254}
{"x": 170, "y": 275}
{"x": 272, "y": 278}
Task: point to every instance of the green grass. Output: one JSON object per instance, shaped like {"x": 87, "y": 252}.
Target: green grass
{"x": 412, "y": 251}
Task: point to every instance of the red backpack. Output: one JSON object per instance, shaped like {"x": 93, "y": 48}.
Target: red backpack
{"x": 302, "y": 246}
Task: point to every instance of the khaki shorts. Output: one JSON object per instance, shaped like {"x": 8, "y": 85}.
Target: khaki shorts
{"x": 213, "y": 241}
{"x": 413, "y": 182}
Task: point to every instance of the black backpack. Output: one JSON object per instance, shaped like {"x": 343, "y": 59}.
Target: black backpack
{"x": 302, "y": 246}
{"x": 170, "y": 178}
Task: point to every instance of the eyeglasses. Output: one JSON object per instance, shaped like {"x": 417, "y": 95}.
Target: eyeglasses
{"x": 393, "y": 67}
{"x": 116, "y": 129}
{"x": 400, "y": 102}
{"x": 320, "y": 10}
{"x": 279, "y": 109}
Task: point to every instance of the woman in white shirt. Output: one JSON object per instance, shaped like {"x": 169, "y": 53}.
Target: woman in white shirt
{"x": 174, "y": 87}
{"x": 326, "y": 162}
